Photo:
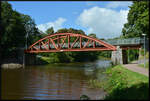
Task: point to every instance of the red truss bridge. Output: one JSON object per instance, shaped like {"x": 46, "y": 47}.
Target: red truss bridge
{"x": 66, "y": 42}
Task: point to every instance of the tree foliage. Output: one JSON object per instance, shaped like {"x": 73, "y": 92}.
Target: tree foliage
{"x": 138, "y": 23}
{"x": 50, "y": 30}
{"x": 70, "y": 30}
{"x": 15, "y": 28}
{"x": 92, "y": 35}
{"x": 138, "y": 20}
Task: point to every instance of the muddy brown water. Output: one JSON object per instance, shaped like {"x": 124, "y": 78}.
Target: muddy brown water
{"x": 52, "y": 82}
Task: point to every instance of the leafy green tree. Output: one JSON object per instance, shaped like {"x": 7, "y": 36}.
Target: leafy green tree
{"x": 138, "y": 23}
{"x": 15, "y": 27}
{"x": 63, "y": 30}
{"x": 13, "y": 31}
{"x": 92, "y": 35}
{"x": 32, "y": 33}
{"x": 50, "y": 30}
{"x": 138, "y": 20}
{"x": 70, "y": 30}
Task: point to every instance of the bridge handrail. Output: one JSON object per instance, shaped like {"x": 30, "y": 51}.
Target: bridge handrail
{"x": 137, "y": 40}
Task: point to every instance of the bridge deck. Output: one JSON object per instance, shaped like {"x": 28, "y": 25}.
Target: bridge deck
{"x": 125, "y": 42}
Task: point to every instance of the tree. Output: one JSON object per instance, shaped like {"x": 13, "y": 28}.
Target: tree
{"x": 92, "y": 35}
{"x": 15, "y": 28}
{"x": 50, "y": 30}
{"x": 138, "y": 20}
{"x": 70, "y": 30}
{"x": 63, "y": 30}
{"x": 32, "y": 33}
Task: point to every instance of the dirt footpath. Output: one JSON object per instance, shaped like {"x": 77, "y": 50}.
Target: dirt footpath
{"x": 134, "y": 67}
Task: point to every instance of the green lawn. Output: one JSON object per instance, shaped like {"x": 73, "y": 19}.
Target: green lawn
{"x": 146, "y": 66}
{"x": 122, "y": 83}
{"x": 125, "y": 84}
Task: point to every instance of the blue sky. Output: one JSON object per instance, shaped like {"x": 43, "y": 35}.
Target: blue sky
{"x": 105, "y": 19}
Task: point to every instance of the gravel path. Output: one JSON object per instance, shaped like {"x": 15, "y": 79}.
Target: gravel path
{"x": 134, "y": 67}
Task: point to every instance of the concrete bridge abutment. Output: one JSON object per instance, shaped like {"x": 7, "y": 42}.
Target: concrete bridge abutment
{"x": 119, "y": 56}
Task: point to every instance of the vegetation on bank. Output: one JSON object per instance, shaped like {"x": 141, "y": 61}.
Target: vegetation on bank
{"x": 146, "y": 65}
{"x": 68, "y": 57}
{"x": 142, "y": 54}
{"x": 142, "y": 58}
{"x": 124, "y": 84}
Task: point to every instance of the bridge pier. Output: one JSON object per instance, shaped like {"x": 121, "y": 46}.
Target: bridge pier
{"x": 29, "y": 59}
{"x": 119, "y": 56}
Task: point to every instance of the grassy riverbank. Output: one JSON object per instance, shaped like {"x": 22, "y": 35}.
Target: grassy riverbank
{"x": 146, "y": 65}
{"x": 124, "y": 84}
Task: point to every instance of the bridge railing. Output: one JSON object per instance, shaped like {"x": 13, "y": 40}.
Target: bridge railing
{"x": 129, "y": 41}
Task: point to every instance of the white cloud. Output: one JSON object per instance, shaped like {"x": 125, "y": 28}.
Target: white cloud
{"x": 105, "y": 23}
{"x": 117, "y": 4}
{"x": 56, "y": 25}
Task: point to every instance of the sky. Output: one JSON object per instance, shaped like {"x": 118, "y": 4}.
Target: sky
{"x": 103, "y": 18}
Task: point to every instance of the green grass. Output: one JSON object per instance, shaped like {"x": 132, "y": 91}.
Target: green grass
{"x": 146, "y": 66}
{"x": 47, "y": 59}
{"x": 122, "y": 83}
{"x": 125, "y": 84}
{"x": 146, "y": 55}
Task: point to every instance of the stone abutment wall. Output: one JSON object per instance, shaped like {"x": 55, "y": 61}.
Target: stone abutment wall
{"x": 119, "y": 56}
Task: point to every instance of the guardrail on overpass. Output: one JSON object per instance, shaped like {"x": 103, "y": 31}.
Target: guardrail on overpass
{"x": 129, "y": 41}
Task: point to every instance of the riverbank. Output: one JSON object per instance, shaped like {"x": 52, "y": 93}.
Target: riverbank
{"x": 125, "y": 84}
{"x": 122, "y": 83}
{"x": 146, "y": 65}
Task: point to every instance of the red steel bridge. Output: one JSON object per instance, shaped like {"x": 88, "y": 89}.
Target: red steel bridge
{"x": 65, "y": 42}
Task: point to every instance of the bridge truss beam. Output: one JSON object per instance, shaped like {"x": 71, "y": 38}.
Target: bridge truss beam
{"x": 62, "y": 42}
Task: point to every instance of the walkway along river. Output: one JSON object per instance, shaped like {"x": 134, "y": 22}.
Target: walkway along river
{"x": 57, "y": 81}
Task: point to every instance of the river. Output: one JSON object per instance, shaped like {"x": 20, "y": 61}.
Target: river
{"x": 53, "y": 82}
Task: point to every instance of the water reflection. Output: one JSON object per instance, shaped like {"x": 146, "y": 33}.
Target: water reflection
{"x": 49, "y": 82}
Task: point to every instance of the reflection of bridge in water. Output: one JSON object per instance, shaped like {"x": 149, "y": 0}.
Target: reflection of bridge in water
{"x": 66, "y": 42}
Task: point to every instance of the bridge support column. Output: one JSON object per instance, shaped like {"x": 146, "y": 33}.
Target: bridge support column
{"x": 119, "y": 56}
{"x": 29, "y": 59}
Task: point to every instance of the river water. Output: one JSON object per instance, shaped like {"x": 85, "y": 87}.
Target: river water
{"x": 53, "y": 81}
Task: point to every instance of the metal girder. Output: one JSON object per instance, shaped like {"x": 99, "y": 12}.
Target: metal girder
{"x": 59, "y": 41}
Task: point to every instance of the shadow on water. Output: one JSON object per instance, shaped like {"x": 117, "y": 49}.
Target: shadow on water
{"x": 138, "y": 91}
